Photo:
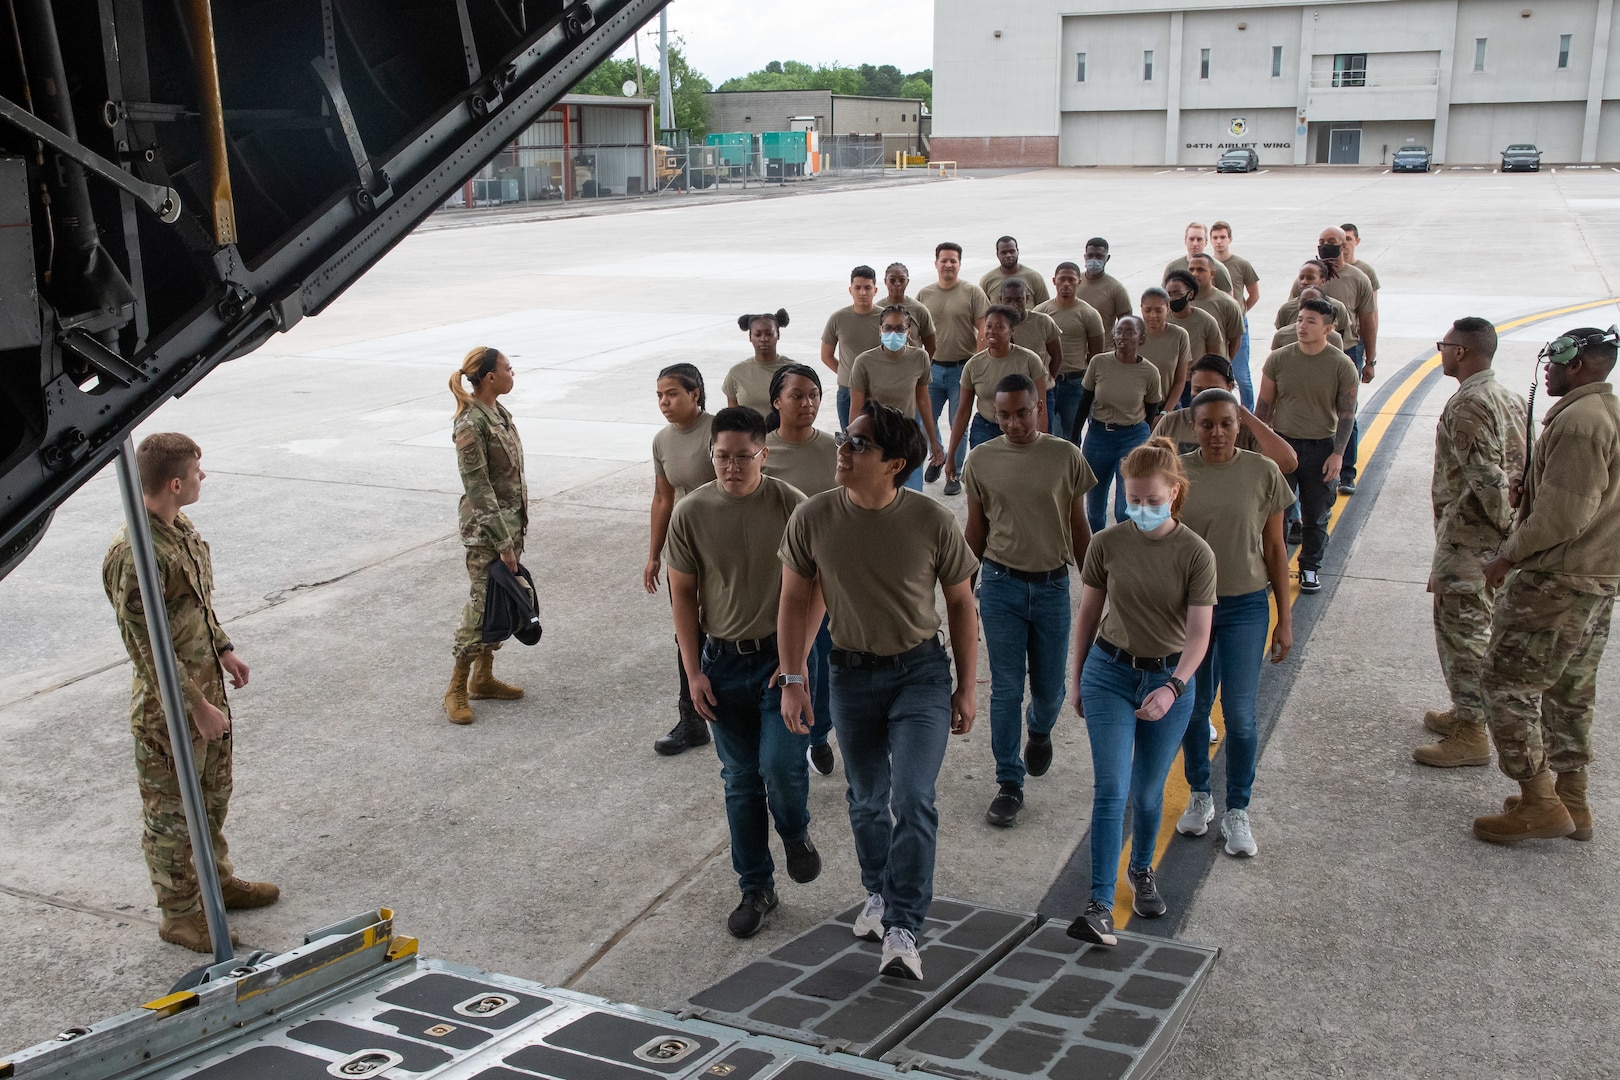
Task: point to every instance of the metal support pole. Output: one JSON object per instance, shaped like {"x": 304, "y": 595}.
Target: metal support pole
{"x": 666, "y": 92}
{"x": 174, "y": 705}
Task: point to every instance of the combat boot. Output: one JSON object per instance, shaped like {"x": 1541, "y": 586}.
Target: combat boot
{"x": 1538, "y": 815}
{"x": 1440, "y": 721}
{"x": 1468, "y": 744}
{"x": 690, "y": 731}
{"x": 1571, "y": 789}
{"x": 189, "y": 931}
{"x": 240, "y": 895}
{"x": 455, "y": 699}
{"x": 484, "y": 684}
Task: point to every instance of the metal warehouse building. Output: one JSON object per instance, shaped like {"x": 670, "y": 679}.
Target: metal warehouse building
{"x": 904, "y": 121}
{"x": 1156, "y": 82}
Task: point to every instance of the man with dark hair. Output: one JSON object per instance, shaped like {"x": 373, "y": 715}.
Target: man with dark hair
{"x": 1036, "y": 331}
{"x": 1561, "y": 568}
{"x": 1100, "y": 289}
{"x": 1308, "y": 396}
{"x": 1080, "y": 337}
{"x": 1246, "y": 291}
{"x": 725, "y": 584}
{"x": 1027, "y": 525}
{"x": 1008, "y": 266}
{"x": 1352, "y": 241}
{"x": 1355, "y": 291}
{"x": 170, "y": 466}
{"x": 895, "y": 280}
{"x": 958, "y": 308}
{"x": 851, "y": 331}
{"x": 1217, "y": 304}
{"x": 873, "y": 554}
{"x": 1478, "y": 456}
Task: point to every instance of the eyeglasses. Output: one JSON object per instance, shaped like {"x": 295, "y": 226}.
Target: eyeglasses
{"x": 737, "y": 461}
{"x": 858, "y": 444}
{"x": 1442, "y": 346}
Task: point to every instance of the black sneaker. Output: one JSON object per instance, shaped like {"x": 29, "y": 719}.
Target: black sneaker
{"x": 1005, "y": 806}
{"x": 1310, "y": 581}
{"x": 931, "y": 473}
{"x": 1347, "y": 487}
{"x": 1296, "y": 532}
{"x": 1146, "y": 902}
{"x": 751, "y": 912}
{"x": 1038, "y": 754}
{"x": 689, "y": 732}
{"x": 821, "y": 759}
{"x": 1095, "y": 925}
{"x": 803, "y": 862}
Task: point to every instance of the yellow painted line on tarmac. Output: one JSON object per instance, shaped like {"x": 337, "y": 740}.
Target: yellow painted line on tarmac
{"x": 1176, "y": 791}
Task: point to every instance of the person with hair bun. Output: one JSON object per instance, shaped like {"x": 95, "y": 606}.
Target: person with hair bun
{"x": 494, "y": 515}
{"x": 1148, "y": 594}
{"x": 748, "y": 382}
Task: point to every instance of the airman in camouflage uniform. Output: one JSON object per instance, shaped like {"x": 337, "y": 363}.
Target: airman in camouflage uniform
{"x": 1478, "y": 454}
{"x": 494, "y": 518}
{"x": 203, "y": 654}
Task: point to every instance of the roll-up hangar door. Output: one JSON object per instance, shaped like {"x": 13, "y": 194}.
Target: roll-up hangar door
{"x": 1111, "y": 138}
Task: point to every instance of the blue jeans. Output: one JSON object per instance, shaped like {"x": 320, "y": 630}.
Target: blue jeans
{"x": 945, "y": 388}
{"x": 1104, "y": 450}
{"x": 893, "y": 724}
{"x": 762, "y": 762}
{"x": 981, "y": 430}
{"x": 1024, "y": 623}
{"x": 1129, "y": 757}
{"x": 1240, "y": 369}
{"x": 915, "y": 480}
{"x": 1347, "y": 470}
{"x": 1237, "y": 652}
{"x": 1062, "y": 403}
{"x": 821, "y": 684}
{"x": 843, "y": 408}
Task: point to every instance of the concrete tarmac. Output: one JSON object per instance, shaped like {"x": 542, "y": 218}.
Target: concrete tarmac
{"x": 1372, "y": 935}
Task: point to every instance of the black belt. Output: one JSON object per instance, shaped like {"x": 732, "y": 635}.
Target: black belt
{"x": 1106, "y": 426}
{"x": 848, "y": 658}
{"x": 1070, "y": 376}
{"x": 949, "y": 363}
{"x": 747, "y": 647}
{"x": 1140, "y": 663}
{"x": 1034, "y": 577}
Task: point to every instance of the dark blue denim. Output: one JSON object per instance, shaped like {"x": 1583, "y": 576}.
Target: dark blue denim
{"x": 945, "y": 388}
{"x": 1104, "y": 450}
{"x": 821, "y": 685}
{"x": 1347, "y": 471}
{"x": 843, "y": 408}
{"x": 762, "y": 762}
{"x": 1129, "y": 757}
{"x": 1062, "y": 403}
{"x": 1237, "y": 652}
{"x": 981, "y": 430}
{"x": 1240, "y": 369}
{"x": 893, "y": 725}
{"x": 1026, "y": 627}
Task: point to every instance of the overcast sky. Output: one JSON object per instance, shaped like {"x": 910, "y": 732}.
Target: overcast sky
{"x": 725, "y": 38}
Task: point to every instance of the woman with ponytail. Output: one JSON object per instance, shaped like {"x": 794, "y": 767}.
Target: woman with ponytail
{"x": 749, "y": 382}
{"x": 1143, "y": 627}
{"x": 494, "y": 515}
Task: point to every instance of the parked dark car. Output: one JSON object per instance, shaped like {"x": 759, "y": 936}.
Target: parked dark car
{"x": 1521, "y": 156}
{"x": 1238, "y": 159}
{"x": 1410, "y": 159}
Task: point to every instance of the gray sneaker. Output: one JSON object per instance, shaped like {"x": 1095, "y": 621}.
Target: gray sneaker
{"x": 869, "y": 923}
{"x": 900, "y": 958}
{"x": 953, "y": 487}
{"x": 1200, "y": 812}
{"x": 1235, "y": 831}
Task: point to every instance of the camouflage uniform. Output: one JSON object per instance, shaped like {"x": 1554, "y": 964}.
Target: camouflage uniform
{"x": 1478, "y": 450}
{"x": 1552, "y": 620}
{"x": 494, "y": 511}
{"x": 187, "y": 575}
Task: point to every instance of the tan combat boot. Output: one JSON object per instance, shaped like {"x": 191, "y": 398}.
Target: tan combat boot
{"x": 240, "y": 895}
{"x": 484, "y": 684}
{"x": 1571, "y": 789}
{"x": 1539, "y": 815}
{"x": 189, "y": 931}
{"x": 1440, "y": 721}
{"x": 1468, "y": 744}
{"x": 455, "y": 699}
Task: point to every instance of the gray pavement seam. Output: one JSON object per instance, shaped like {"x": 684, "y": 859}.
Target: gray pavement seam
{"x": 70, "y": 905}
{"x": 69, "y": 681}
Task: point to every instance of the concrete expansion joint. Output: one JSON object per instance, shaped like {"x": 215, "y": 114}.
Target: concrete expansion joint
{"x": 111, "y": 915}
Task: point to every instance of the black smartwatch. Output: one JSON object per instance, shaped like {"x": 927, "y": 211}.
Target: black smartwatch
{"x": 1177, "y": 687}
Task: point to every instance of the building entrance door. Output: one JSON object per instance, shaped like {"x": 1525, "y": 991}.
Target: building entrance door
{"x": 1344, "y": 146}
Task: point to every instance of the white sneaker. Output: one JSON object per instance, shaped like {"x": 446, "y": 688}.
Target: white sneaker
{"x": 1214, "y": 735}
{"x": 869, "y": 923}
{"x": 1235, "y": 831}
{"x": 1200, "y": 812}
{"x": 900, "y": 959}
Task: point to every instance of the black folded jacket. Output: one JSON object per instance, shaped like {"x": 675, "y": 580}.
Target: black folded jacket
{"x": 511, "y": 605}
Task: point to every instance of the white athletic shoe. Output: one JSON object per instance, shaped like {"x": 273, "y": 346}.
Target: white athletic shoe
{"x": 1235, "y": 831}
{"x": 900, "y": 959}
{"x": 1214, "y": 736}
{"x": 869, "y": 923}
{"x": 1200, "y": 812}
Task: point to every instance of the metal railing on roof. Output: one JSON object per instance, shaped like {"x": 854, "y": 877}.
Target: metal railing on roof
{"x": 1362, "y": 78}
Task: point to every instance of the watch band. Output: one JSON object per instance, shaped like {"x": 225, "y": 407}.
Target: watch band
{"x": 784, "y": 680}
{"x": 1177, "y": 687}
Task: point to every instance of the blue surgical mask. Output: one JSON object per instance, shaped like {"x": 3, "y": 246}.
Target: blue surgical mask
{"x": 892, "y": 342}
{"x": 1148, "y": 518}
{"x": 1095, "y": 266}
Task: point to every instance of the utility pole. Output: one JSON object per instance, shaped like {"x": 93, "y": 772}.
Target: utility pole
{"x": 636, "y": 38}
{"x": 666, "y": 96}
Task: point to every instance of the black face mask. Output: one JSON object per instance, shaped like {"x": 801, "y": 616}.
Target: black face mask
{"x": 1328, "y": 251}
{"x": 1180, "y": 304}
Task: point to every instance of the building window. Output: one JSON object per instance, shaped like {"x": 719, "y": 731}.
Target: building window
{"x": 1147, "y": 65}
{"x": 1563, "y": 50}
{"x": 1276, "y": 61}
{"x": 1350, "y": 69}
{"x": 1203, "y": 63}
{"x": 1079, "y": 67}
{"x": 1479, "y": 54}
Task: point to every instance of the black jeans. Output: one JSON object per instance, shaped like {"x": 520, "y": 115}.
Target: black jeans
{"x": 1316, "y": 497}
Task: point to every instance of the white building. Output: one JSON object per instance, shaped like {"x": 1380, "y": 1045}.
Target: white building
{"x": 1160, "y": 82}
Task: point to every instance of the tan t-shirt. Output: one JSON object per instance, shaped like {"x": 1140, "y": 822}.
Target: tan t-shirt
{"x": 1037, "y": 331}
{"x": 729, "y": 545}
{"x": 1167, "y": 350}
{"x": 1228, "y": 315}
{"x": 981, "y": 374}
{"x": 749, "y": 383}
{"x": 1150, "y": 585}
{"x": 1123, "y": 391}
{"x": 1223, "y": 280}
{"x": 922, "y": 320}
{"x": 1228, "y": 506}
{"x": 1203, "y": 332}
{"x": 1027, "y": 492}
{"x": 991, "y": 284}
{"x": 891, "y": 381}
{"x": 681, "y": 455}
{"x": 1241, "y": 271}
{"x": 878, "y": 568}
{"x": 956, "y": 313}
{"x": 1080, "y": 332}
{"x": 1288, "y": 315}
{"x": 1289, "y": 335}
{"x": 853, "y": 334}
{"x": 1354, "y": 290}
{"x": 1107, "y": 295}
{"x": 1308, "y": 389}
{"x": 808, "y": 466}
{"x": 1366, "y": 268}
{"x": 1177, "y": 426}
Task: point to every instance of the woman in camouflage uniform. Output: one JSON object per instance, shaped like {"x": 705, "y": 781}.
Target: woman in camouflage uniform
{"x": 494, "y": 516}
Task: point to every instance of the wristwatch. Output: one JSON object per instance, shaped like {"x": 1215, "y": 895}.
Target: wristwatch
{"x": 1177, "y": 687}
{"x": 784, "y": 680}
